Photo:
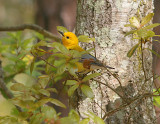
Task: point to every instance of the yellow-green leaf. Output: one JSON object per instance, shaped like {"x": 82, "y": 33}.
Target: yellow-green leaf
{"x": 129, "y": 25}
{"x": 85, "y": 121}
{"x": 132, "y": 50}
{"x": 87, "y": 91}
{"x": 61, "y": 69}
{"x": 62, "y": 29}
{"x": 154, "y": 52}
{"x": 134, "y": 22}
{"x": 130, "y": 32}
{"x": 98, "y": 120}
{"x": 57, "y": 102}
{"x": 72, "y": 89}
{"x": 143, "y": 33}
{"x": 74, "y": 115}
{"x": 18, "y": 87}
{"x": 52, "y": 90}
{"x": 146, "y": 19}
{"x": 88, "y": 77}
{"x": 49, "y": 112}
{"x": 71, "y": 82}
{"x": 85, "y": 38}
{"x": 60, "y": 47}
{"x": 152, "y": 25}
{"x": 44, "y": 92}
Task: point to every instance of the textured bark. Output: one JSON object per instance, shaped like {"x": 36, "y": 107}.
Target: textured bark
{"x": 105, "y": 20}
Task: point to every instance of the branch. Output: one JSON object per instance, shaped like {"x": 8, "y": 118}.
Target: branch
{"x": 31, "y": 27}
{"x": 110, "y": 88}
{"x": 3, "y": 85}
{"x": 143, "y": 60}
{"x": 117, "y": 80}
{"x": 126, "y": 104}
{"x": 43, "y": 60}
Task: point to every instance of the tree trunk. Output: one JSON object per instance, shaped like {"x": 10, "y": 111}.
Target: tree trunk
{"x": 105, "y": 20}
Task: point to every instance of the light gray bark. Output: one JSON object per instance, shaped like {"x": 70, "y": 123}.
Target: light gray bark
{"x": 105, "y": 20}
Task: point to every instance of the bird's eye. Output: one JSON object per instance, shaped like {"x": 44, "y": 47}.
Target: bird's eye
{"x": 67, "y": 37}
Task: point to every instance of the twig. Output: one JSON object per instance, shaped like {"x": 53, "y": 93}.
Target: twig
{"x": 101, "y": 98}
{"x": 95, "y": 54}
{"x": 31, "y": 27}
{"x": 7, "y": 92}
{"x": 43, "y": 60}
{"x": 126, "y": 104}
{"x": 100, "y": 106}
{"x": 131, "y": 112}
{"x": 110, "y": 88}
{"x": 117, "y": 80}
{"x": 143, "y": 61}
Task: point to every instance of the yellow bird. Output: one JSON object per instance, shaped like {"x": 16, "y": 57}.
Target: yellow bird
{"x": 87, "y": 62}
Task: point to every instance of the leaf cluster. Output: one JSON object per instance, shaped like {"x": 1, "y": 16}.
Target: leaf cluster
{"x": 58, "y": 63}
{"x": 141, "y": 31}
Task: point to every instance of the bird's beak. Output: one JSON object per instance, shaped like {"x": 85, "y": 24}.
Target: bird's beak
{"x": 61, "y": 33}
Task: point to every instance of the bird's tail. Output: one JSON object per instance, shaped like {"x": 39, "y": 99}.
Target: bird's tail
{"x": 109, "y": 67}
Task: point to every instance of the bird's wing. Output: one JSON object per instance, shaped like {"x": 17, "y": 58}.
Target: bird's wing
{"x": 88, "y": 60}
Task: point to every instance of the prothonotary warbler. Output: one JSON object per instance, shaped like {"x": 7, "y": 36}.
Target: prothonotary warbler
{"x": 87, "y": 62}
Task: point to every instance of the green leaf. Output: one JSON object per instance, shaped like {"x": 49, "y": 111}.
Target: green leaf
{"x": 87, "y": 91}
{"x": 60, "y": 62}
{"x": 150, "y": 34}
{"x": 146, "y": 19}
{"x": 130, "y": 32}
{"x": 54, "y": 101}
{"x": 132, "y": 50}
{"x": 32, "y": 65}
{"x": 57, "y": 102}
{"x": 37, "y": 119}
{"x": 85, "y": 38}
{"x": 26, "y": 42}
{"x": 52, "y": 90}
{"x": 44, "y": 92}
{"x": 143, "y": 33}
{"x": 85, "y": 121}
{"x": 71, "y": 82}
{"x": 74, "y": 115}
{"x": 67, "y": 120}
{"x": 72, "y": 68}
{"x": 29, "y": 80}
{"x": 129, "y": 25}
{"x": 88, "y": 77}
{"x": 49, "y": 112}
{"x": 61, "y": 69}
{"x": 40, "y": 36}
{"x": 154, "y": 52}
{"x": 98, "y": 120}
{"x": 42, "y": 101}
{"x": 19, "y": 87}
{"x": 62, "y": 29}
{"x": 60, "y": 47}
{"x": 43, "y": 81}
{"x": 152, "y": 26}
{"x": 60, "y": 55}
{"x": 24, "y": 104}
{"x": 89, "y": 50}
{"x": 72, "y": 89}
{"x": 41, "y": 43}
{"x": 75, "y": 53}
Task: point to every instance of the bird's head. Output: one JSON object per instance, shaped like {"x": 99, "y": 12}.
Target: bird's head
{"x": 69, "y": 39}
